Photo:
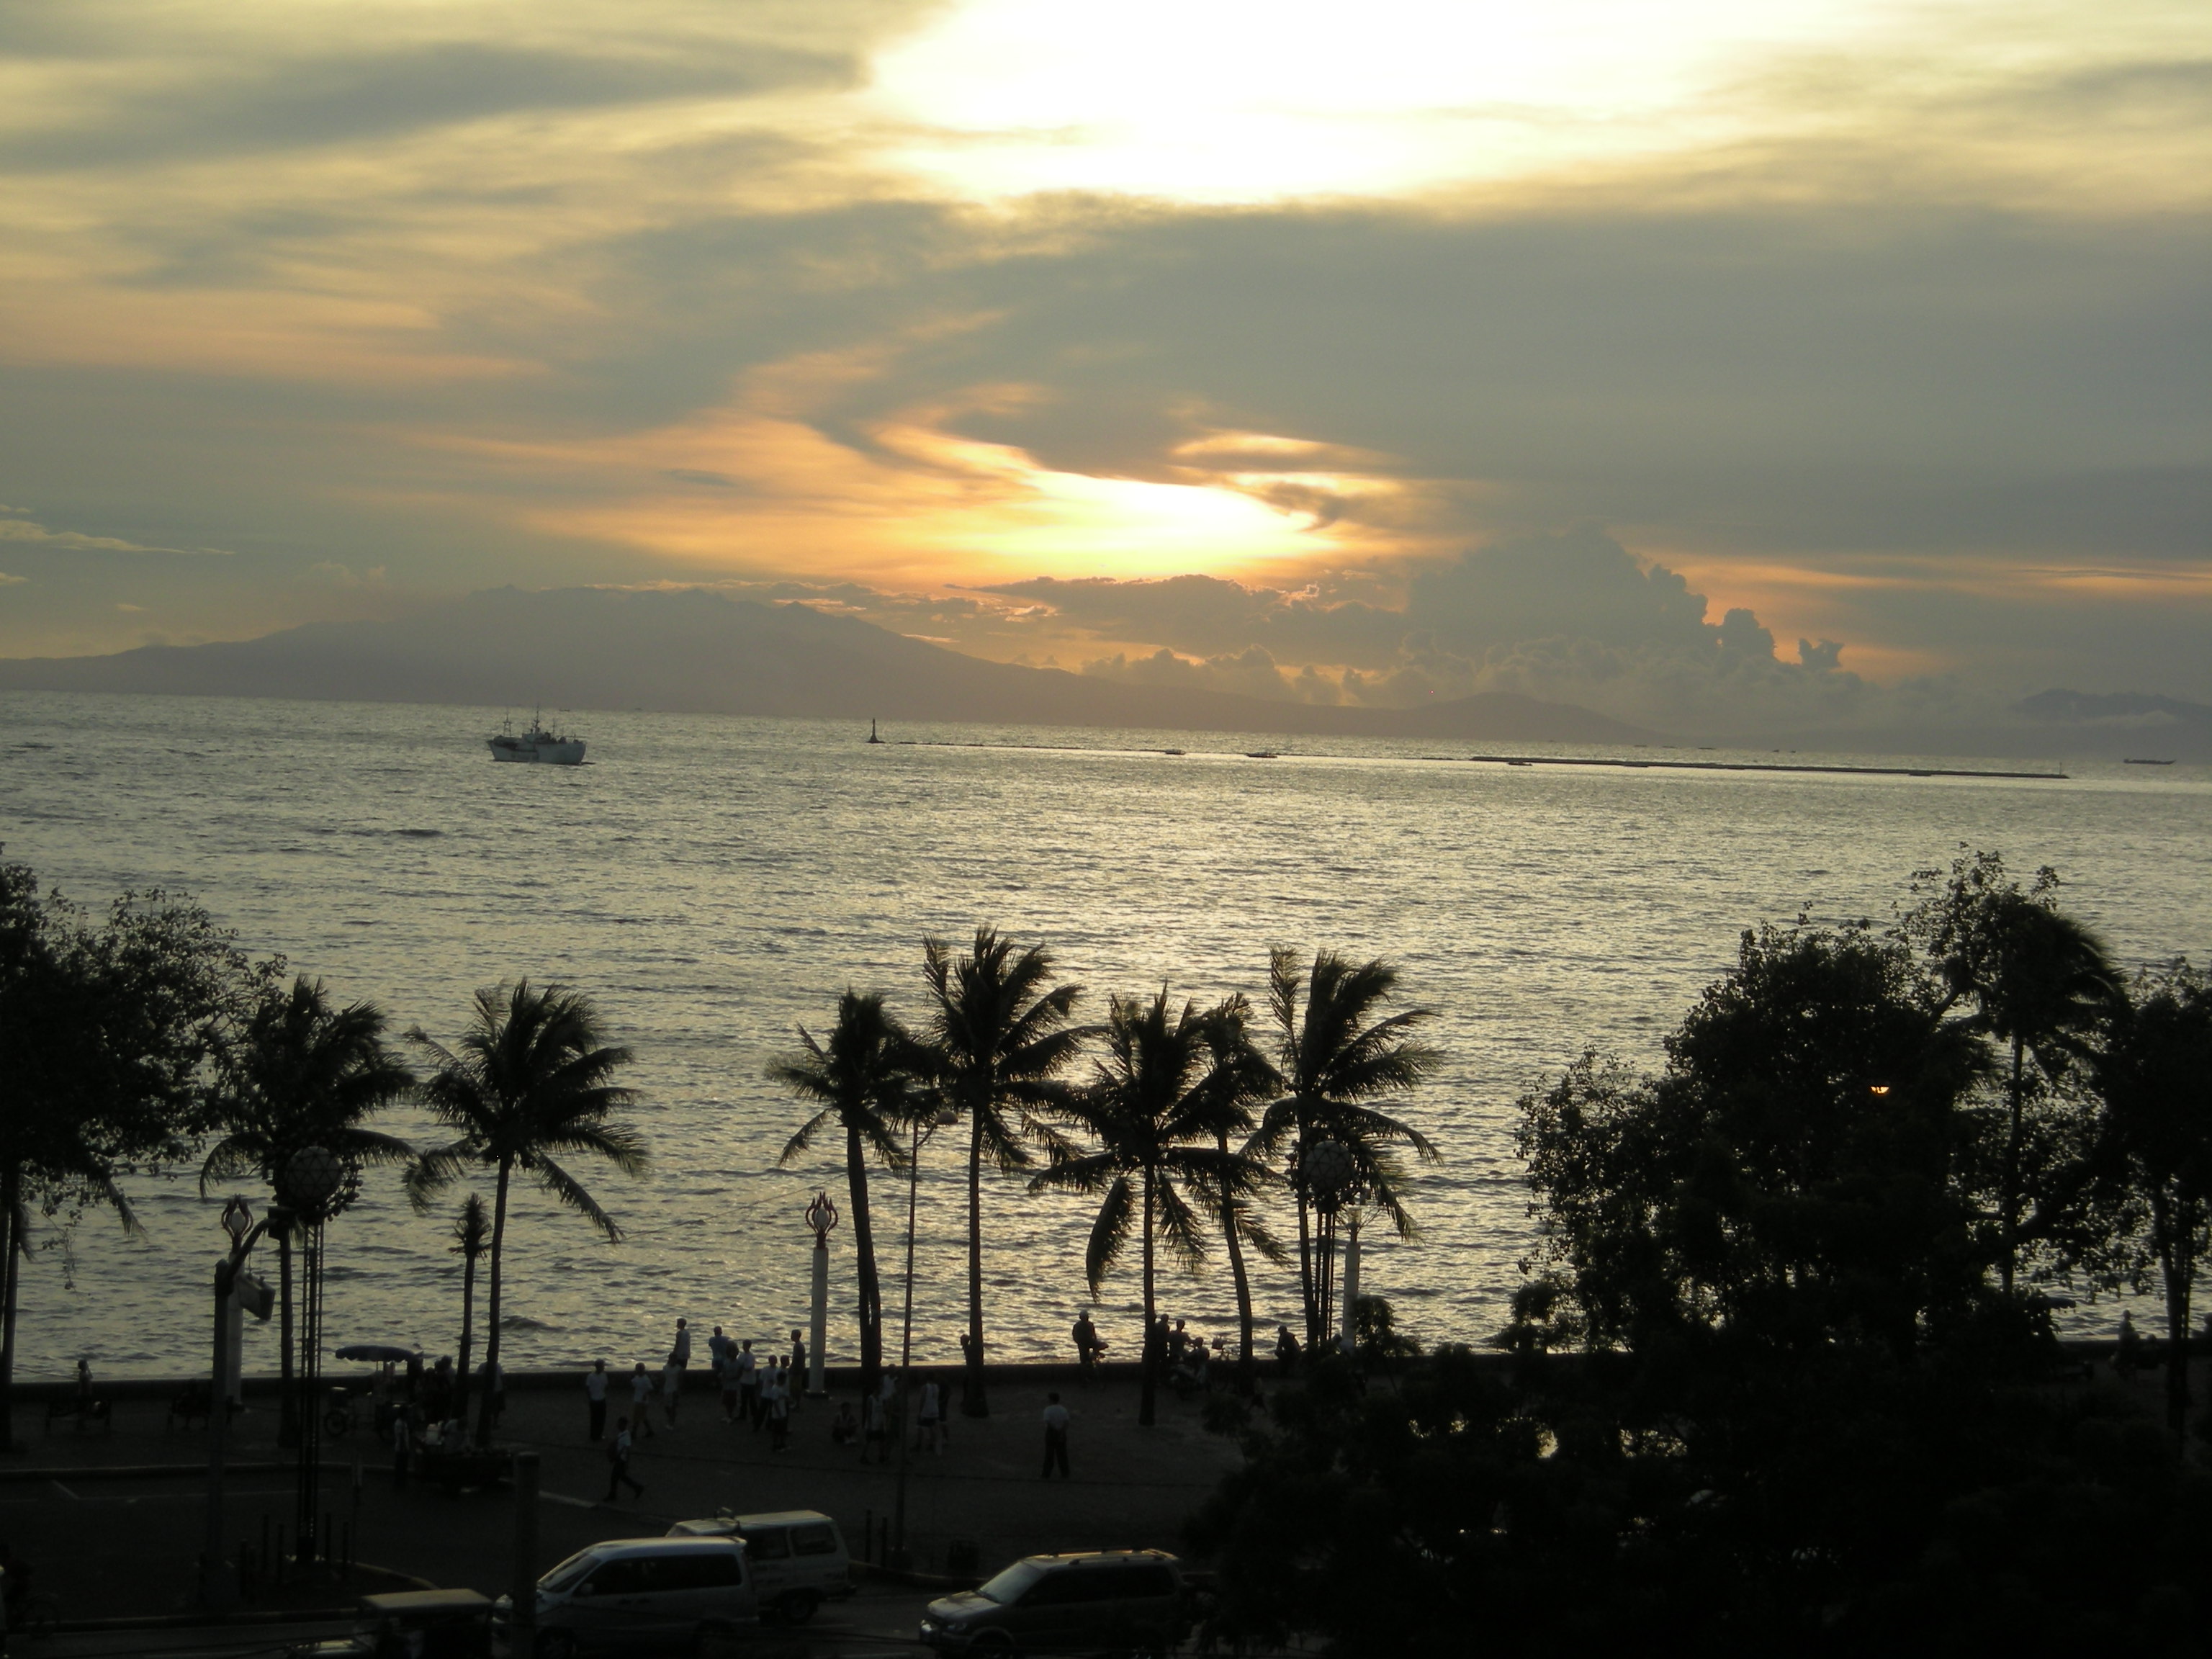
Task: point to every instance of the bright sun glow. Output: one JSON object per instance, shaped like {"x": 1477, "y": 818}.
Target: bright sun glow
{"x": 1238, "y": 99}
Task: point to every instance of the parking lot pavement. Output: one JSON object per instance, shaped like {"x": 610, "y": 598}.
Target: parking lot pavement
{"x": 105, "y": 1544}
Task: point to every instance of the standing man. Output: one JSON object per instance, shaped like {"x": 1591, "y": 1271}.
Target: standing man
{"x": 798, "y": 1378}
{"x": 719, "y": 1347}
{"x": 749, "y": 1384}
{"x": 640, "y": 1400}
{"x": 595, "y": 1396}
{"x": 683, "y": 1350}
{"x": 1087, "y": 1345}
{"x": 1055, "y": 1438}
{"x": 618, "y": 1475}
{"x": 672, "y": 1388}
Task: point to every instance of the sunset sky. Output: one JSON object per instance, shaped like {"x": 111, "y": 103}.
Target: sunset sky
{"x": 1461, "y": 344}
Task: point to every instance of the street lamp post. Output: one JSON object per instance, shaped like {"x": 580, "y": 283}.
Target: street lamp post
{"x": 216, "y": 1589}
{"x": 924, "y": 1125}
{"x": 311, "y": 1178}
{"x": 821, "y": 1216}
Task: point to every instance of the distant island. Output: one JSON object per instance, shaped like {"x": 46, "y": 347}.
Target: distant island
{"x": 691, "y": 651}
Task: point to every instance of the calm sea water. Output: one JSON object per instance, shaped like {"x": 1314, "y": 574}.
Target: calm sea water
{"x": 714, "y": 881}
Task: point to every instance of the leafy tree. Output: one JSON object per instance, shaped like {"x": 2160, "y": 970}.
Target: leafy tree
{"x": 472, "y": 1236}
{"x": 1336, "y": 1062}
{"x": 303, "y": 1072}
{"x": 2041, "y": 984}
{"x": 1790, "y": 1176}
{"x": 2155, "y": 1076}
{"x": 863, "y": 1080}
{"x": 108, "y": 1033}
{"x": 1165, "y": 1095}
{"x": 530, "y": 1082}
{"x": 998, "y": 1039}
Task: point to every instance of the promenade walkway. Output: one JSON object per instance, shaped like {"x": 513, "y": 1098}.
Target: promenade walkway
{"x": 110, "y": 1523}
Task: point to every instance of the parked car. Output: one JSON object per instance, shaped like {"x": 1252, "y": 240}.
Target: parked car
{"x": 1108, "y": 1598}
{"x": 797, "y": 1557}
{"x": 441, "y": 1624}
{"x": 631, "y": 1593}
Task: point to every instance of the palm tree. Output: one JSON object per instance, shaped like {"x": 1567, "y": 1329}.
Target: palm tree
{"x": 471, "y": 1238}
{"x": 2041, "y": 983}
{"x": 1333, "y": 1064}
{"x": 997, "y": 1040}
{"x": 304, "y": 1073}
{"x": 530, "y": 1080}
{"x": 863, "y": 1080}
{"x": 1166, "y": 1095}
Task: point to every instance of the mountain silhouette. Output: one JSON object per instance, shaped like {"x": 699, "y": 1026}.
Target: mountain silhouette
{"x": 692, "y": 651}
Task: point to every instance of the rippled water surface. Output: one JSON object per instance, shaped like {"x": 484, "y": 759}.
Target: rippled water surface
{"x": 713, "y": 882}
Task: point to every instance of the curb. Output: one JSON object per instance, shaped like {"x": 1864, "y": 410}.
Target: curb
{"x": 250, "y": 1616}
{"x": 153, "y": 1471}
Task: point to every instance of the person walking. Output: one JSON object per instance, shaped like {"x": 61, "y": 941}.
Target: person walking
{"x": 726, "y": 1380}
{"x": 403, "y": 1445}
{"x": 1055, "y": 1438}
{"x": 640, "y": 1400}
{"x": 874, "y": 1418}
{"x": 672, "y": 1389}
{"x": 929, "y": 1420}
{"x": 749, "y": 1384}
{"x": 618, "y": 1475}
{"x": 779, "y": 1409}
{"x": 595, "y": 1397}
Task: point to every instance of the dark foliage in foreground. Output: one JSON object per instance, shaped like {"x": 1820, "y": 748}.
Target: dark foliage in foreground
{"x": 1864, "y": 1506}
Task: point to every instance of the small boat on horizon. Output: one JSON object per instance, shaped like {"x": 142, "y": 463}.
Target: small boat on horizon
{"x": 545, "y": 747}
{"x": 2132, "y": 761}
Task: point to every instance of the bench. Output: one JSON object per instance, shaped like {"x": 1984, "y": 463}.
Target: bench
{"x": 81, "y": 1413}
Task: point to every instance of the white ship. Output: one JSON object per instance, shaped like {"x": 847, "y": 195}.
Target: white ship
{"x": 536, "y": 745}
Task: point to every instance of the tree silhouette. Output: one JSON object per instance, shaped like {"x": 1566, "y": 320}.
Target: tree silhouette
{"x": 2041, "y": 984}
{"x": 303, "y": 1073}
{"x": 471, "y": 1236}
{"x": 108, "y": 1029}
{"x": 529, "y": 1081}
{"x": 1165, "y": 1097}
{"x": 998, "y": 1038}
{"x": 863, "y": 1080}
{"x": 1335, "y": 1062}
{"x": 2155, "y": 1076}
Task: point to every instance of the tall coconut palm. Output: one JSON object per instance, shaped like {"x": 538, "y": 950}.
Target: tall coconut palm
{"x": 304, "y": 1073}
{"x": 1335, "y": 1060}
{"x": 863, "y": 1080}
{"x": 1165, "y": 1095}
{"x": 996, "y": 1042}
{"x": 529, "y": 1081}
{"x": 471, "y": 1236}
{"x": 2041, "y": 984}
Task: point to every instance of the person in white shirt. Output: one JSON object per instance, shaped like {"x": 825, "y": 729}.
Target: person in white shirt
{"x": 778, "y": 1389}
{"x": 671, "y": 1388}
{"x": 595, "y": 1395}
{"x": 640, "y": 1400}
{"x": 749, "y": 1384}
{"x": 930, "y": 1421}
{"x": 1055, "y": 1438}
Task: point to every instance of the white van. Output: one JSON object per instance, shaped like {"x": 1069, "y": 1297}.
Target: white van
{"x": 797, "y": 1557}
{"x": 639, "y": 1592}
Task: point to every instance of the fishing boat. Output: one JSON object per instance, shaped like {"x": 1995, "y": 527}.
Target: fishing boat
{"x": 2145, "y": 760}
{"x": 548, "y": 747}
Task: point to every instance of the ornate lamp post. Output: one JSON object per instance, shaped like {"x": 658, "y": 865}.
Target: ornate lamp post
{"x": 925, "y": 1125}
{"x": 821, "y": 1216}
{"x": 217, "y": 1591}
{"x": 1330, "y": 1173}
{"x": 311, "y": 1178}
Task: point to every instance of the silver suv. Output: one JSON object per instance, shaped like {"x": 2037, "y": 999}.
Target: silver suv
{"x": 1108, "y": 1598}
